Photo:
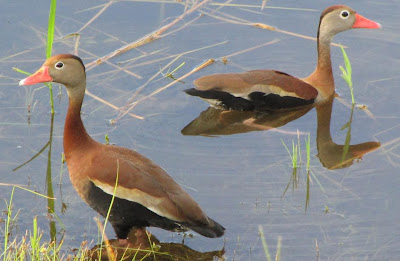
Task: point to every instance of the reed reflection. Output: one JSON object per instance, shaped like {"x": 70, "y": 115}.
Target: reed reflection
{"x": 49, "y": 179}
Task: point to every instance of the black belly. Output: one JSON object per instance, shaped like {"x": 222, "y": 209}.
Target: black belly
{"x": 126, "y": 214}
{"x": 277, "y": 102}
{"x": 256, "y": 100}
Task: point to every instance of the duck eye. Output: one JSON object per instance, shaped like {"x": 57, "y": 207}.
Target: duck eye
{"x": 344, "y": 14}
{"x": 59, "y": 65}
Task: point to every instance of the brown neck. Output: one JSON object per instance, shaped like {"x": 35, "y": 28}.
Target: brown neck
{"x": 75, "y": 135}
{"x": 322, "y": 77}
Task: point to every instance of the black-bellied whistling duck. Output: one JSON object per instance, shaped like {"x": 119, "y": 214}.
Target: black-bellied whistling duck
{"x": 275, "y": 90}
{"x": 145, "y": 194}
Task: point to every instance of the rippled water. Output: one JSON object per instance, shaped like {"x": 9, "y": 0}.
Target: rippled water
{"x": 239, "y": 179}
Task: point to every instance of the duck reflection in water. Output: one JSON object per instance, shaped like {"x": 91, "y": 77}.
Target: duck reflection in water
{"x": 145, "y": 246}
{"x": 332, "y": 155}
{"x": 213, "y": 122}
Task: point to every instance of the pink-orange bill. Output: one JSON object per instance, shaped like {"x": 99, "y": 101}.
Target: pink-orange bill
{"x": 362, "y": 22}
{"x": 41, "y": 75}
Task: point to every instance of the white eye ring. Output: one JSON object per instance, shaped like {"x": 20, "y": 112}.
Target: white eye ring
{"x": 344, "y": 14}
{"x": 59, "y": 65}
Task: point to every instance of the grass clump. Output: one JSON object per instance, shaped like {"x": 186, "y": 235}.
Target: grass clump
{"x": 295, "y": 155}
{"x": 297, "y": 162}
{"x": 30, "y": 246}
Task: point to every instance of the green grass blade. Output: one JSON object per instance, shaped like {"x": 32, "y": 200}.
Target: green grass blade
{"x": 7, "y": 223}
{"x": 107, "y": 139}
{"x": 287, "y": 149}
{"x": 295, "y": 154}
{"x": 346, "y": 61}
{"x": 299, "y": 147}
{"x": 50, "y": 27}
{"x": 308, "y": 149}
{"x": 50, "y": 38}
{"x": 21, "y": 71}
{"x": 34, "y": 240}
{"x": 347, "y": 72}
{"x": 307, "y": 191}
{"x": 170, "y": 74}
{"x": 109, "y": 209}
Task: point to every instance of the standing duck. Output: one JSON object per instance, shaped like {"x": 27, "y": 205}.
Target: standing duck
{"x": 275, "y": 90}
{"x": 145, "y": 194}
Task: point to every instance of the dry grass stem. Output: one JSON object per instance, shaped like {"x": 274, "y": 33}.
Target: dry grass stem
{"x": 203, "y": 65}
{"x": 17, "y": 54}
{"x": 126, "y": 109}
{"x": 237, "y": 20}
{"x": 40, "y": 34}
{"x": 129, "y": 106}
{"x": 227, "y": 3}
{"x": 348, "y": 105}
{"x": 12, "y": 185}
{"x": 110, "y": 252}
{"x": 182, "y": 27}
{"x": 263, "y": 4}
{"x": 146, "y": 39}
{"x": 97, "y": 15}
{"x": 305, "y": 37}
{"x": 264, "y": 26}
{"x": 111, "y": 37}
{"x": 253, "y": 48}
{"x": 111, "y": 105}
{"x": 174, "y": 55}
{"x": 115, "y": 66}
{"x": 269, "y": 7}
{"x": 133, "y": 60}
{"x": 90, "y": 8}
{"x": 225, "y": 17}
{"x": 76, "y": 46}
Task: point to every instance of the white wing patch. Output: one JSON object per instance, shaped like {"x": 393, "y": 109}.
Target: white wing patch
{"x": 267, "y": 89}
{"x": 213, "y": 102}
{"x": 154, "y": 204}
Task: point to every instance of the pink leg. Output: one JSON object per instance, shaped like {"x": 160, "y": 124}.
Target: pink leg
{"x": 141, "y": 238}
{"x": 123, "y": 242}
